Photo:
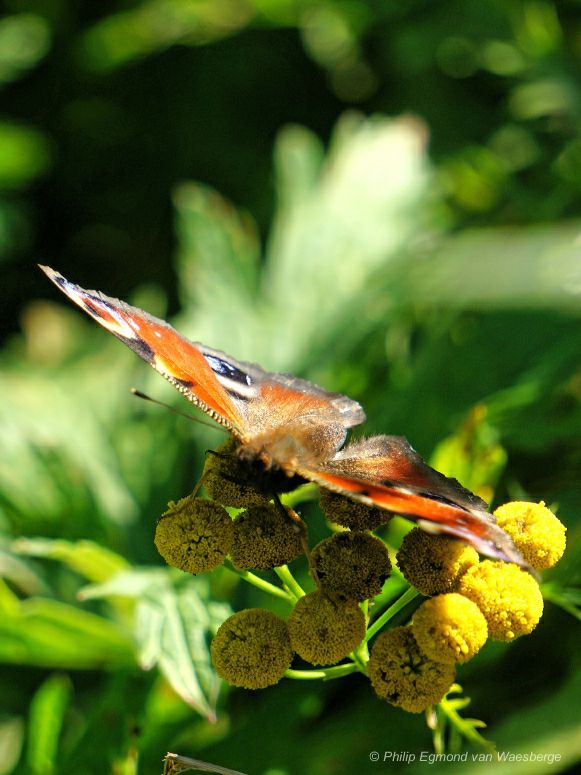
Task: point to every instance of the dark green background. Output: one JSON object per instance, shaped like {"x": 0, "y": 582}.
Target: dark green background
{"x": 108, "y": 109}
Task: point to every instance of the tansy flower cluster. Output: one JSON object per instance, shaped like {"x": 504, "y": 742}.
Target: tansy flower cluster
{"x": 413, "y": 666}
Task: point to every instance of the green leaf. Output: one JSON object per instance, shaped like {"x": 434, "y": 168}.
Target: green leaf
{"x": 457, "y": 725}
{"x": 567, "y": 599}
{"x": 11, "y": 741}
{"x": 536, "y": 266}
{"x": 46, "y": 718}
{"x": 472, "y": 455}
{"x": 21, "y": 575}
{"x": 48, "y": 633}
{"x": 172, "y": 631}
{"x": 173, "y": 623}
{"x": 339, "y": 211}
{"x": 90, "y": 560}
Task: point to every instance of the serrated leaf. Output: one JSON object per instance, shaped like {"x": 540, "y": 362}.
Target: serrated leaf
{"x": 338, "y": 225}
{"x": 172, "y": 628}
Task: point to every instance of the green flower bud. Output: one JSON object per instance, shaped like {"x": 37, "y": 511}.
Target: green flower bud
{"x": 265, "y": 538}
{"x": 323, "y": 631}
{"x": 403, "y": 675}
{"x": 194, "y": 535}
{"x": 432, "y": 563}
{"x": 352, "y": 565}
{"x": 227, "y": 479}
{"x": 252, "y": 649}
{"x": 351, "y": 514}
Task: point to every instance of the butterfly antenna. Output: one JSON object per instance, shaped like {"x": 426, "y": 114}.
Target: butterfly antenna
{"x": 145, "y": 397}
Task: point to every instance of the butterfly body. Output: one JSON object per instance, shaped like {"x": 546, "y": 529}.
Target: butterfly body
{"x": 290, "y": 430}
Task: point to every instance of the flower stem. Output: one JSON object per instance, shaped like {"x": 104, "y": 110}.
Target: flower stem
{"x": 467, "y": 728}
{"x": 262, "y": 584}
{"x": 409, "y": 595}
{"x": 292, "y": 585}
{"x": 325, "y": 673}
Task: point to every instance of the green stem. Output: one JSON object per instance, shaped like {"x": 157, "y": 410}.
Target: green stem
{"x": 466, "y": 727}
{"x": 292, "y": 585}
{"x": 306, "y": 492}
{"x": 325, "y": 673}
{"x": 360, "y": 655}
{"x": 407, "y": 597}
{"x": 256, "y": 581}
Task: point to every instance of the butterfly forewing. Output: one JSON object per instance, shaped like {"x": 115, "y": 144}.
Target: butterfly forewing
{"x": 248, "y": 400}
{"x": 177, "y": 359}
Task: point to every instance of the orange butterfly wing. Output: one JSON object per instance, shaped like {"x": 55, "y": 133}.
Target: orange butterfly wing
{"x": 385, "y": 471}
{"x": 180, "y": 361}
{"x": 303, "y": 425}
{"x": 246, "y": 399}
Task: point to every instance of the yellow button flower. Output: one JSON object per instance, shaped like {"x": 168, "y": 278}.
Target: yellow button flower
{"x": 535, "y": 530}
{"x": 508, "y": 596}
{"x": 449, "y": 628}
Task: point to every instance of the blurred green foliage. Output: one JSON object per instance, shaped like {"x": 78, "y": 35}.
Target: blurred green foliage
{"x": 428, "y": 266}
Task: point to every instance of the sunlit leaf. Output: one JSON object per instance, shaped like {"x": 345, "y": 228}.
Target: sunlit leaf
{"x": 472, "y": 455}
{"x": 11, "y": 741}
{"x": 536, "y": 267}
{"x": 48, "y": 633}
{"x": 95, "y": 563}
{"x": 172, "y": 628}
{"x": 46, "y": 718}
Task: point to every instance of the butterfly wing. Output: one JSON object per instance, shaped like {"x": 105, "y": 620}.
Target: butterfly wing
{"x": 386, "y": 472}
{"x": 243, "y": 397}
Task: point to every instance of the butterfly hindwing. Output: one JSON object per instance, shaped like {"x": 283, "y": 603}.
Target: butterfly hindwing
{"x": 386, "y": 472}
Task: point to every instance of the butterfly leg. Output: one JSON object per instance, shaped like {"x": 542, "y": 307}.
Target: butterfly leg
{"x": 302, "y": 529}
{"x": 199, "y": 484}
